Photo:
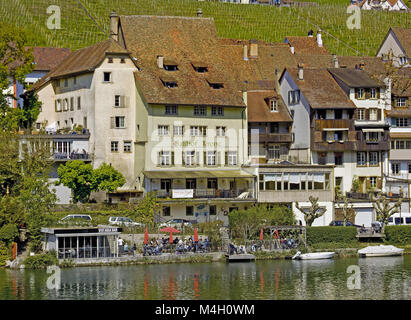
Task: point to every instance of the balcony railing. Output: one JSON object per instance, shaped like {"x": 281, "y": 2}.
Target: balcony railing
{"x": 210, "y": 194}
{"x": 273, "y": 137}
{"x": 64, "y": 156}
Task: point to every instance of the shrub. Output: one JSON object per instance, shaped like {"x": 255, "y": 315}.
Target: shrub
{"x": 4, "y": 254}
{"x": 331, "y": 234}
{"x": 41, "y": 261}
{"x": 8, "y": 233}
{"x": 398, "y": 234}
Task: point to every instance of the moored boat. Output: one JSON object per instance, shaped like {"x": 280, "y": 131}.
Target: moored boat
{"x": 380, "y": 251}
{"x": 313, "y": 256}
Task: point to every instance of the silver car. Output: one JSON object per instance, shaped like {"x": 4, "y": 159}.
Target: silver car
{"x": 124, "y": 221}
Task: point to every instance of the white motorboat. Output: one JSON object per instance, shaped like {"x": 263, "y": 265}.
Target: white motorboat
{"x": 380, "y": 251}
{"x": 313, "y": 256}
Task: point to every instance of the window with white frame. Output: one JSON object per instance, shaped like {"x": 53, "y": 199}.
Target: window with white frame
{"x": 401, "y": 102}
{"x": 373, "y": 182}
{"x": 361, "y": 158}
{"x": 78, "y": 103}
{"x": 217, "y": 111}
{"x": 360, "y": 93}
{"x": 374, "y": 158}
{"x": 220, "y": 131}
{"x": 273, "y": 105}
{"x": 107, "y": 77}
{"x": 117, "y": 100}
{"x": 373, "y": 93}
{"x": 189, "y": 158}
{"x": 211, "y": 158}
{"x": 72, "y": 104}
{"x": 395, "y": 168}
{"x": 198, "y": 130}
{"x": 232, "y": 158}
{"x": 401, "y": 122}
{"x": 200, "y": 111}
{"x": 65, "y": 105}
{"x": 114, "y": 146}
{"x": 373, "y": 136}
{"x": 170, "y": 110}
{"x": 163, "y": 130}
{"x": 164, "y": 158}
{"x": 403, "y": 60}
{"x": 361, "y": 114}
{"x": 127, "y": 146}
{"x": 373, "y": 114}
{"x": 293, "y": 97}
{"x": 58, "y": 105}
{"x": 120, "y": 122}
{"x": 178, "y": 130}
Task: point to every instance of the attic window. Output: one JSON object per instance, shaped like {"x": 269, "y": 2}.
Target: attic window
{"x": 169, "y": 83}
{"x": 273, "y": 105}
{"x": 122, "y": 60}
{"x": 110, "y": 60}
{"x": 170, "y": 65}
{"x": 215, "y": 85}
{"x": 200, "y": 67}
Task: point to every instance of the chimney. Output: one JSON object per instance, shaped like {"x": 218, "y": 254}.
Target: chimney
{"x": 160, "y": 62}
{"x": 277, "y": 81}
{"x": 245, "y": 52}
{"x": 199, "y": 13}
{"x": 114, "y": 26}
{"x": 253, "y": 49}
{"x": 300, "y": 71}
{"x": 319, "y": 39}
{"x": 335, "y": 61}
{"x": 292, "y": 50}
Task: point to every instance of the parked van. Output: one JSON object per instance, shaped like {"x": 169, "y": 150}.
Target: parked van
{"x": 76, "y": 218}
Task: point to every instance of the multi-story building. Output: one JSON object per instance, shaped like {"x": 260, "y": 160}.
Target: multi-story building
{"x": 397, "y": 46}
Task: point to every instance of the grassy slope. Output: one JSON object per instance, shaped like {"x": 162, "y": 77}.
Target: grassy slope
{"x": 232, "y": 21}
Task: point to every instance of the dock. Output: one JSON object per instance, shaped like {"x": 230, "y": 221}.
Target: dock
{"x": 243, "y": 257}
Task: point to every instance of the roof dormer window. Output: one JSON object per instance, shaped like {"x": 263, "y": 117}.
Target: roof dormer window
{"x": 215, "y": 84}
{"x": 273, "y": 105}
{"x": 200, "y": 67}
{"x": 169, "y": 83}
{"x": 170, "y": 65}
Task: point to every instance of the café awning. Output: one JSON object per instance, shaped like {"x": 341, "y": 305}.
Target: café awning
{"x": 373, "y": 130}
{"x": 177, "y": 174}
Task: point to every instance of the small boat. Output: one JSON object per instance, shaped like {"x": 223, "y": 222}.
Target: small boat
{"x": 380, "y": 251}
{"x": 313, "y": 256}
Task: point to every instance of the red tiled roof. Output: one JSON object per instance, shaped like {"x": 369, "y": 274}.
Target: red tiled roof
{"x": 306, "y": 45}
{"x": 258, "y": 108}
{"x": 46, "y": 58}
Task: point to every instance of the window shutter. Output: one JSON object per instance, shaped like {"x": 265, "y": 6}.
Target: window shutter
{"x": 379, "y": 183}
{"x": 367, "y": 93}
{"x": 55, "y": 105}
{"x": 393, "y": 123}
{"x": 367, "y": 114}
{"x": 183, "y": 161}
{"x": 378, "y": 92}
{"x": 159, "y": 158}
{"x": 367, "y": 184}
{"x": 378, "y": 114}
{"x": 226, "y": 158}
{"x": 205, "y": 158}
{"x": 289, "y": 97}
{"x": 218, "y": 156}
{"x": 359, "y": 135}
{"x": 355, "y": 114}
{"x": 172, "y": 158}
{"x": 356, "y": 94}
{"x": 112, "y": 122}
{"x": 122, "y": 101}
{"x": 197, "y": 160}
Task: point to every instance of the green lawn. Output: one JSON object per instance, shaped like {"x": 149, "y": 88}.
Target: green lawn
{"x": 232, "y": 21}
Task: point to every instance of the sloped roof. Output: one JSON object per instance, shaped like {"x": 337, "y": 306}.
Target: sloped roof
{"x": 306, "y": 45}
{"x": 46, "y": 58}
{"x": 186, "y": 41}
{"x": 404, "y": 37}
{"x": 321, "y": 90}
{"x": 355, "y": 78}
{"x": 258, "y": 108}
{"x": 82, "y": 61}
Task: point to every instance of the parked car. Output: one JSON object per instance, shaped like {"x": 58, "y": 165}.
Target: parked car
{"x": 76, "y": 219}
{"x": 340, "y": 223}
{"x": 124, "y": 221}
{"x": 176, "y": 223}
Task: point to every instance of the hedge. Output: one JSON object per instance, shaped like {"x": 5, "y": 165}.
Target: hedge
{"x": 41, "y": 261}
{"x": 4, "y": 254}
{"x": 331, "y": 234}
{"x": 398, "y": 234}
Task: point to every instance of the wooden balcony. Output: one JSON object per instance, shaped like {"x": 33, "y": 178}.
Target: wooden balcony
{"x": 273, "y": 137}
{"x": 336, "y": 146}
{"x": 319, "y": 125}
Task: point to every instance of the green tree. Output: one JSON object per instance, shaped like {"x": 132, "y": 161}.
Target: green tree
{"x": 30, "y": 110}
{"x": 78, "y": 176}
{"x": 107, "y": 178}
{"x": 346, "y": 208}
{"x": 145, "y": 210}
{"x": 384, "y": 209}
{"x": 82, "y": 179}
{"x": 313, "y": 212}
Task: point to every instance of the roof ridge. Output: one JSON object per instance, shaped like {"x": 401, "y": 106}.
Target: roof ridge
{"x": 159, "y": 16}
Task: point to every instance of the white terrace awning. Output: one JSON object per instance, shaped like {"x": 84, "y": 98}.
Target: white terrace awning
{"x": 335, "y": 129}
{"x": 373, "y": 130}
{"x": 169, "y": 174}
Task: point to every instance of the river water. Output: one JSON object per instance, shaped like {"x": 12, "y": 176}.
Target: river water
{"x": 380, "y": 278}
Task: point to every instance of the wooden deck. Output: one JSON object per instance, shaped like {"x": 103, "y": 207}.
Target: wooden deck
{"x": 240, "y": 257}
